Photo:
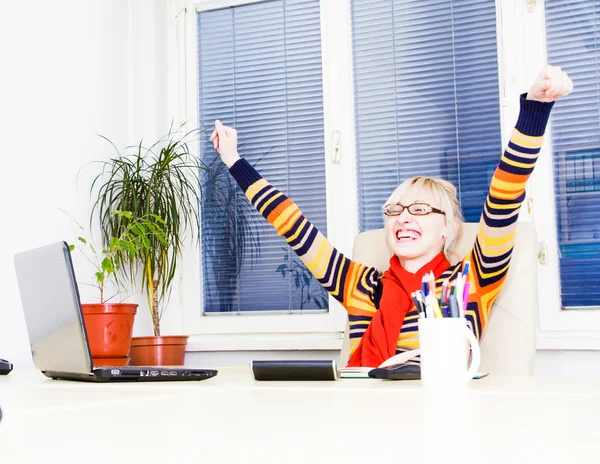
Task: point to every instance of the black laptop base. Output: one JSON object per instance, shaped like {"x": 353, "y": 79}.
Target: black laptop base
{"x": 117, "y": 374}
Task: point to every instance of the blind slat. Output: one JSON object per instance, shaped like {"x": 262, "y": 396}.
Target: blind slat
{"x": 422, "y": 70}
{"x": 572, "y": 31}
{"x": 260, "y": 67}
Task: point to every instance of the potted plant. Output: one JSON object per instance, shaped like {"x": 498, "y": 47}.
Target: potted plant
{"x": 109, "y": 325}
{"x": 162, "y": 181}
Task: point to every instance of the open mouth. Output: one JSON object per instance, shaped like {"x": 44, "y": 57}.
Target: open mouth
{"x": 407, "y": 235}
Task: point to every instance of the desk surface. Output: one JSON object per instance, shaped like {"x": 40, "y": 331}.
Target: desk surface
{"x": 232, "y": 418}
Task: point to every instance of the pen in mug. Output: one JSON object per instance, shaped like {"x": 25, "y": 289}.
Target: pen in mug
{"x": 445, "y": 309}
{"x": 450, "y": 290}
{"x": 466, "y": 268}
{"x": 459, "y": 291}
{"x": 424, "y": 285}
{"x": 466, "y": 295}
{"x": 435, "y": 306}
{"x": 418, "y": 304}
{"x": 453, "y": 305}
{"x": 444, "y": 289}
{"x": 422, "y": 301}
{"x": 428, "y": 307}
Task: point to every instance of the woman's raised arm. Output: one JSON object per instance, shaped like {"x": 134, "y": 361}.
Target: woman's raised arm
{"x": 352, "y": 284}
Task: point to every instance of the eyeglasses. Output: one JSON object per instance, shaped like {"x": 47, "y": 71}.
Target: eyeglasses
{"x": 416, "y": 209}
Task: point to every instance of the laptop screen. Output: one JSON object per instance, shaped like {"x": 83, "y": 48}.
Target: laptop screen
{"x": 52, "y": 309}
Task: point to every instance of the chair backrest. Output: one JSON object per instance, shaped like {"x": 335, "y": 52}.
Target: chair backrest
{"x": 509, "y": 338}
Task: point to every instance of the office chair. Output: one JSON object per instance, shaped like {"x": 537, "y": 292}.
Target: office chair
{"x": 509, "y": 338}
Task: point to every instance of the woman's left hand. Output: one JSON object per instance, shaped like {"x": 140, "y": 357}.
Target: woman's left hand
{"x": 224, "y": 140}
{"x": 551, "y": 84}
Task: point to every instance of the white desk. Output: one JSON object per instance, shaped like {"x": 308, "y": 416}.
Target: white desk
{"x": 232, "y": 418}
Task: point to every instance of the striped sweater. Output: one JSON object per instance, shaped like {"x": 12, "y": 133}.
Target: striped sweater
{"x": 358, "y": 288}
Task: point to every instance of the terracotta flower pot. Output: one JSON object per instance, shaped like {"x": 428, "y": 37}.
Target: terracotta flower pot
{"x": 158, "y": 351}
{"x": 111, "y": 361}
{"x": 109, "y": 327}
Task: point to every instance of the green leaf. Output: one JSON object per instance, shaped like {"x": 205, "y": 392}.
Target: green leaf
{"x": 71, "y": 247}
{"x": 107, "y": 265}
{"x": 82, "y": 240}
{"x": 137, "y": 229}
{"x": 114, "y": 243}
{"x": 100, "y": 277}
{"x": 158, "y": 218}
{"x": 127, "y": 214}
{"x": 127, "y": 246}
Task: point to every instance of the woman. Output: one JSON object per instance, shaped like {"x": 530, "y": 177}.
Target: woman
{"x": 422, "y": 221}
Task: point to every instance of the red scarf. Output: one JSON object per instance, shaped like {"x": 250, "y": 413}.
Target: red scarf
{"x": 379, "y": 341}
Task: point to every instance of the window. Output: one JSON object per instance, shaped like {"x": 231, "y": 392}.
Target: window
{"x": 426, "y": 99}
{"x": 259, "y": 68}
{"x": 573, "y": 41}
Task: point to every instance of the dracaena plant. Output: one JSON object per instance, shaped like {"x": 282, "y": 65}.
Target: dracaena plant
{"x": 161, "y": 181}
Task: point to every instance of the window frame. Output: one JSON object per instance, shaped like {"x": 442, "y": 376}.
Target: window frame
{"x": 558, "y": 329}
{"x": 274, "y": 331}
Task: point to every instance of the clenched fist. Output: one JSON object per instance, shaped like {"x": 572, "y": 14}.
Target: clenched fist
{"x": 225, "y": 142}
{"x": 551, "y": 84}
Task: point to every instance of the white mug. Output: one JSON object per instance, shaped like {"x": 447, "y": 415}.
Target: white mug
{"x": 445, "y": 352}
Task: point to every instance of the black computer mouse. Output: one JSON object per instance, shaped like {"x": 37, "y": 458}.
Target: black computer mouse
{"x": 5, "y": 367}
{"x": 397, "y": 372}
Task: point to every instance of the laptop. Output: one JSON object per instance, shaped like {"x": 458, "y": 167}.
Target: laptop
{"x": 54, "y": 319}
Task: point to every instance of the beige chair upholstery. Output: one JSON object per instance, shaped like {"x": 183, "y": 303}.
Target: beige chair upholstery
{"x": 508, "y": 340}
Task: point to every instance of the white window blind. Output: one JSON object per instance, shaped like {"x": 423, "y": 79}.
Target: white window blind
{"x": 573, "y": 42}
{"x": 426, "y": 98}
{"x": 260, "y": 71}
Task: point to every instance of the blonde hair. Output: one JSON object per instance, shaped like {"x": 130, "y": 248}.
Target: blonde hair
{"x": 444, "y": 193}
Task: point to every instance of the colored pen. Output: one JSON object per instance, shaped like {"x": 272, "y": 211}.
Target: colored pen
{"x": 424, "y": 285}
{"x": 453, "y": 306}
{"x": 450, "y": 291}
{"x": 466, "y": 296}
{"x": 444, "y": 288}
{"x": 466, "y": 268}
{"x": 434, "y": 300}
{"x": 459, "y": 290}
{"x": 444, "y": 308}
{"x": 428, "y": 307}
{"x": 422, "y": 301}
{"x": 417, "y": 304}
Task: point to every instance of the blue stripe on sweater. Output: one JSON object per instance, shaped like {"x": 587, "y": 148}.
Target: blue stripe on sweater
{"x": 308, "y": 242}
{"x": 274, "y": 204}
{"x": 515, "y": 169}
{"x": 244, "y": 174}
{"x": 330, "y": 270}
{"x": 519, "y": 148}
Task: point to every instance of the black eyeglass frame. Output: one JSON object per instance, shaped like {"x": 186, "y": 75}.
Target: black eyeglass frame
{"x": 428, "y": 208}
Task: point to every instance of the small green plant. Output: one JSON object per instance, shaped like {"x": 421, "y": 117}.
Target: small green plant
{"x": 303, "y": 280}
{"x": 133, "y": 240}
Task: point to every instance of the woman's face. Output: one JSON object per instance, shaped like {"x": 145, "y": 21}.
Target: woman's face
{"x": 416, "y": 240}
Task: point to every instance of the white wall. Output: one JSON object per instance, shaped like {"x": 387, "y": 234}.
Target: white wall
{"x": 71, "y": 69}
